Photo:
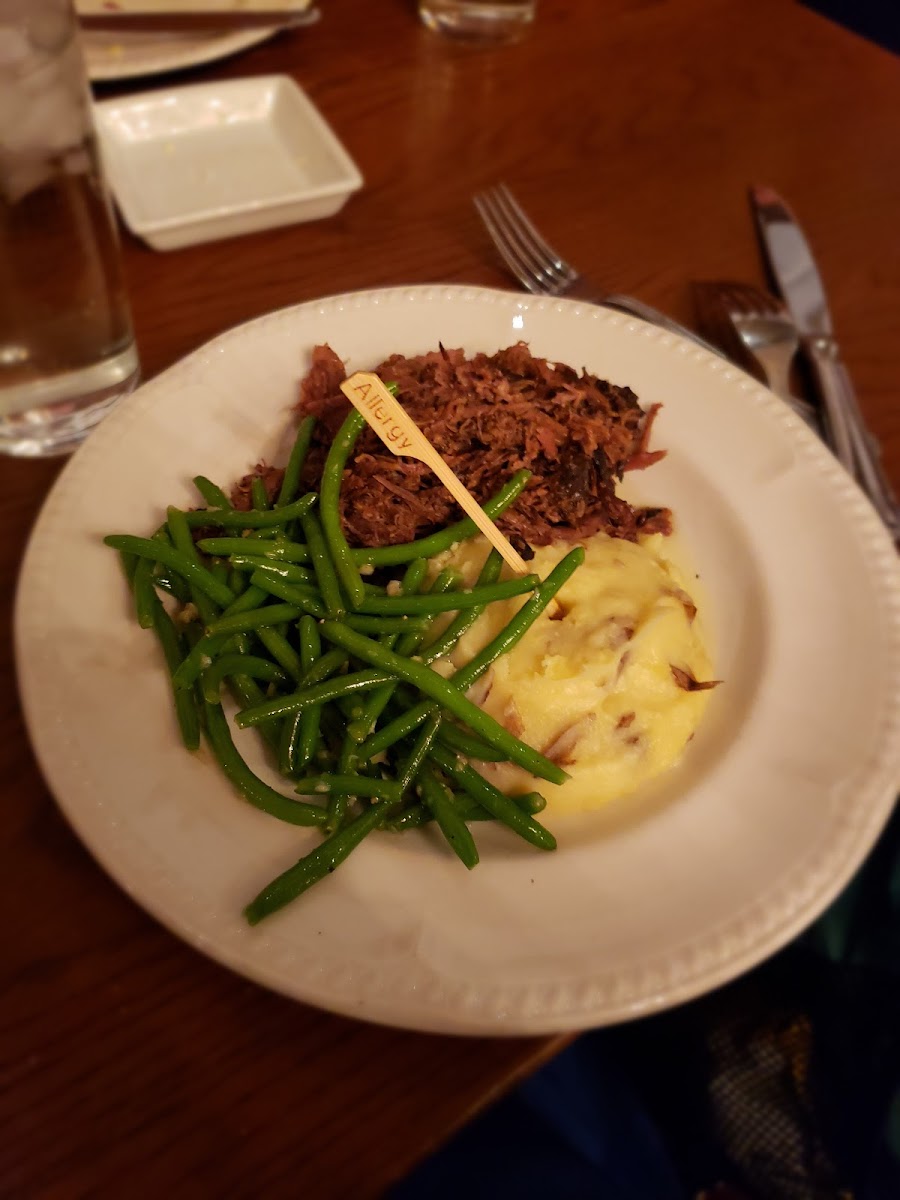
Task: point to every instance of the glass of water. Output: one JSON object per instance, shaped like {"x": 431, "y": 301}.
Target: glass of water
{"x": 67, "y": 351}
{"x": 479, "y": 20}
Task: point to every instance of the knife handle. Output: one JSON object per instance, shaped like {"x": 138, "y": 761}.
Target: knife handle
{"x": 833, "y": 386}
{"x": 850, "y": 436}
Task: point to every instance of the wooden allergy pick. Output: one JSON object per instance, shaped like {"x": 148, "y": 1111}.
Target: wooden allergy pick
{"x": 402, "y": 436}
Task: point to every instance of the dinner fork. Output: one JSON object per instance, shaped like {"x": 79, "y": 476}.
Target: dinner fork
{"x": 544, "y": 272}
{"x": 762, "y": 327}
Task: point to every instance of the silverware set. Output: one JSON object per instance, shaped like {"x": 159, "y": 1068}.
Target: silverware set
{"x": 748, "y": 324}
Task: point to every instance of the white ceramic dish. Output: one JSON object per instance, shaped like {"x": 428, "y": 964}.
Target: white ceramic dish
{"x": 215, "y": 160}
{"x": 674, "y": 891}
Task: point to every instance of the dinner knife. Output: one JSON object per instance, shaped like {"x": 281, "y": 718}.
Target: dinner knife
{"x": 796, "y": 276}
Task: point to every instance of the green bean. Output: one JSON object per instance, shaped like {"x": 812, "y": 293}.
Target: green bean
{"x": 463, "y": 742}
{"x": 237, "y": 582}
{"x": 437, "y": 799}
{"x": 219, "y": 568}
{"x": 281, "y": 650}
{"x": 331, "y": 689}
{"x": 323, "y": 566}
{"x": 412, "y": 818}
{"x": 399, "y": 728}
{"x": 289, "y": 572}
{"x": 247, "y": 693}
{"x": 294, "y": 468}
{"x": 531, "y": 802}
{"x": 200, "y": 657}
{"x": 250, "y": 598}
{"x": 238, "y": 664}
{"x": 179, "y": 533}
{"x": 351, "y": 707}
{"x": 257, "y": 618}
{"x": 182, "y": 540}
{"x": 144, "y": 593}
{"x": 143, "y": 581}
{"x": 185, "y": 703}
{"x": 171, "y": 583}
{"x": 365, "y": 715}
{"x": 251, "y": 787}
{"x": 243, "y": 616}
{"x": 230, "y": 518}
{"x": 386, "y": 625}
{"x": 310, "y": 642}
{"x": 433, "y": 686}
{"x": 288, "y": 740}
{"x": 489, "y": 797}
{"x": 323, "y": 668}
{"x": 349, "y": 785}
{"x": 359, "y": 730}
{"x": 321, "y": 861}
{"x": 423, "y": 743}
{"x": 329, "y": 506}
{"x": 162, "y": 552}
{"x": 281, "y": 550}
{"x": 129, "y": 566}
{"x": 470, "y": 810}
{"x": 477, "y": 597}
{"x": 347, "y": 763}
{"x": 258, "y": 494}
{"x": 444, "y": 539}
{"x": 301, "y": 734}
{"x": 447, "y": 580}
{"x": 464, "y": 620}
{"x": 212, "y": 495}
{"x": 302, "y": 598}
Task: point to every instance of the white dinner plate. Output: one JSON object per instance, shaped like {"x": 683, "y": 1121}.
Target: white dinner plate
{"x": 655, "y": 900}
{"x": 112, "y": 55}
{"x": 120, "y": 54}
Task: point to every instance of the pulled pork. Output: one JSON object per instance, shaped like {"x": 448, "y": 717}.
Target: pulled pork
{"x": 489, "y": 416}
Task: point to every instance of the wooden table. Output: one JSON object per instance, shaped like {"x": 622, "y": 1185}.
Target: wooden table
{"x": 131, "y": 1065}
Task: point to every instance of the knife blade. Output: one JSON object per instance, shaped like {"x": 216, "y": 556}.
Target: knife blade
{"x": 796, "y": 276}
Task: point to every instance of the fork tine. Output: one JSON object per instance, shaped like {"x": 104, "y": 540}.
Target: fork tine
{"x": 546, "y": 263}
{"x": 484, "y": 202}
{"x": 749, "y": 299}
{"x": 738, "y": 300}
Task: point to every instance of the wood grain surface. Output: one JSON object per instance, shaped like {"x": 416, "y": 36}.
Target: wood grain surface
{"x": 130, "y": 1065}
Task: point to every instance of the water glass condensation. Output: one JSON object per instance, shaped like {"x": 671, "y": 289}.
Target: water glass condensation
{"x": 67, "y": 352}
{"x": 479, "y": 20}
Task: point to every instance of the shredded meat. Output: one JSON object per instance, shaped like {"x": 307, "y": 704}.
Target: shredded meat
{"x": 489, "y": 416}
{"x": 241, "y": 497}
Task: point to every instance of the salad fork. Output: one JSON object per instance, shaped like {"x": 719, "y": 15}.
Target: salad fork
{"x": 544, "y": 272}
{"x": 763, "y": 328}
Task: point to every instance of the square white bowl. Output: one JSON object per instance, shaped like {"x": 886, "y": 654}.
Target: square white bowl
{"x": 215, "y": 160}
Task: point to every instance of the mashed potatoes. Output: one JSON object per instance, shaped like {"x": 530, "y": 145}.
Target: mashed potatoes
{"x": 608, "y": 691}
